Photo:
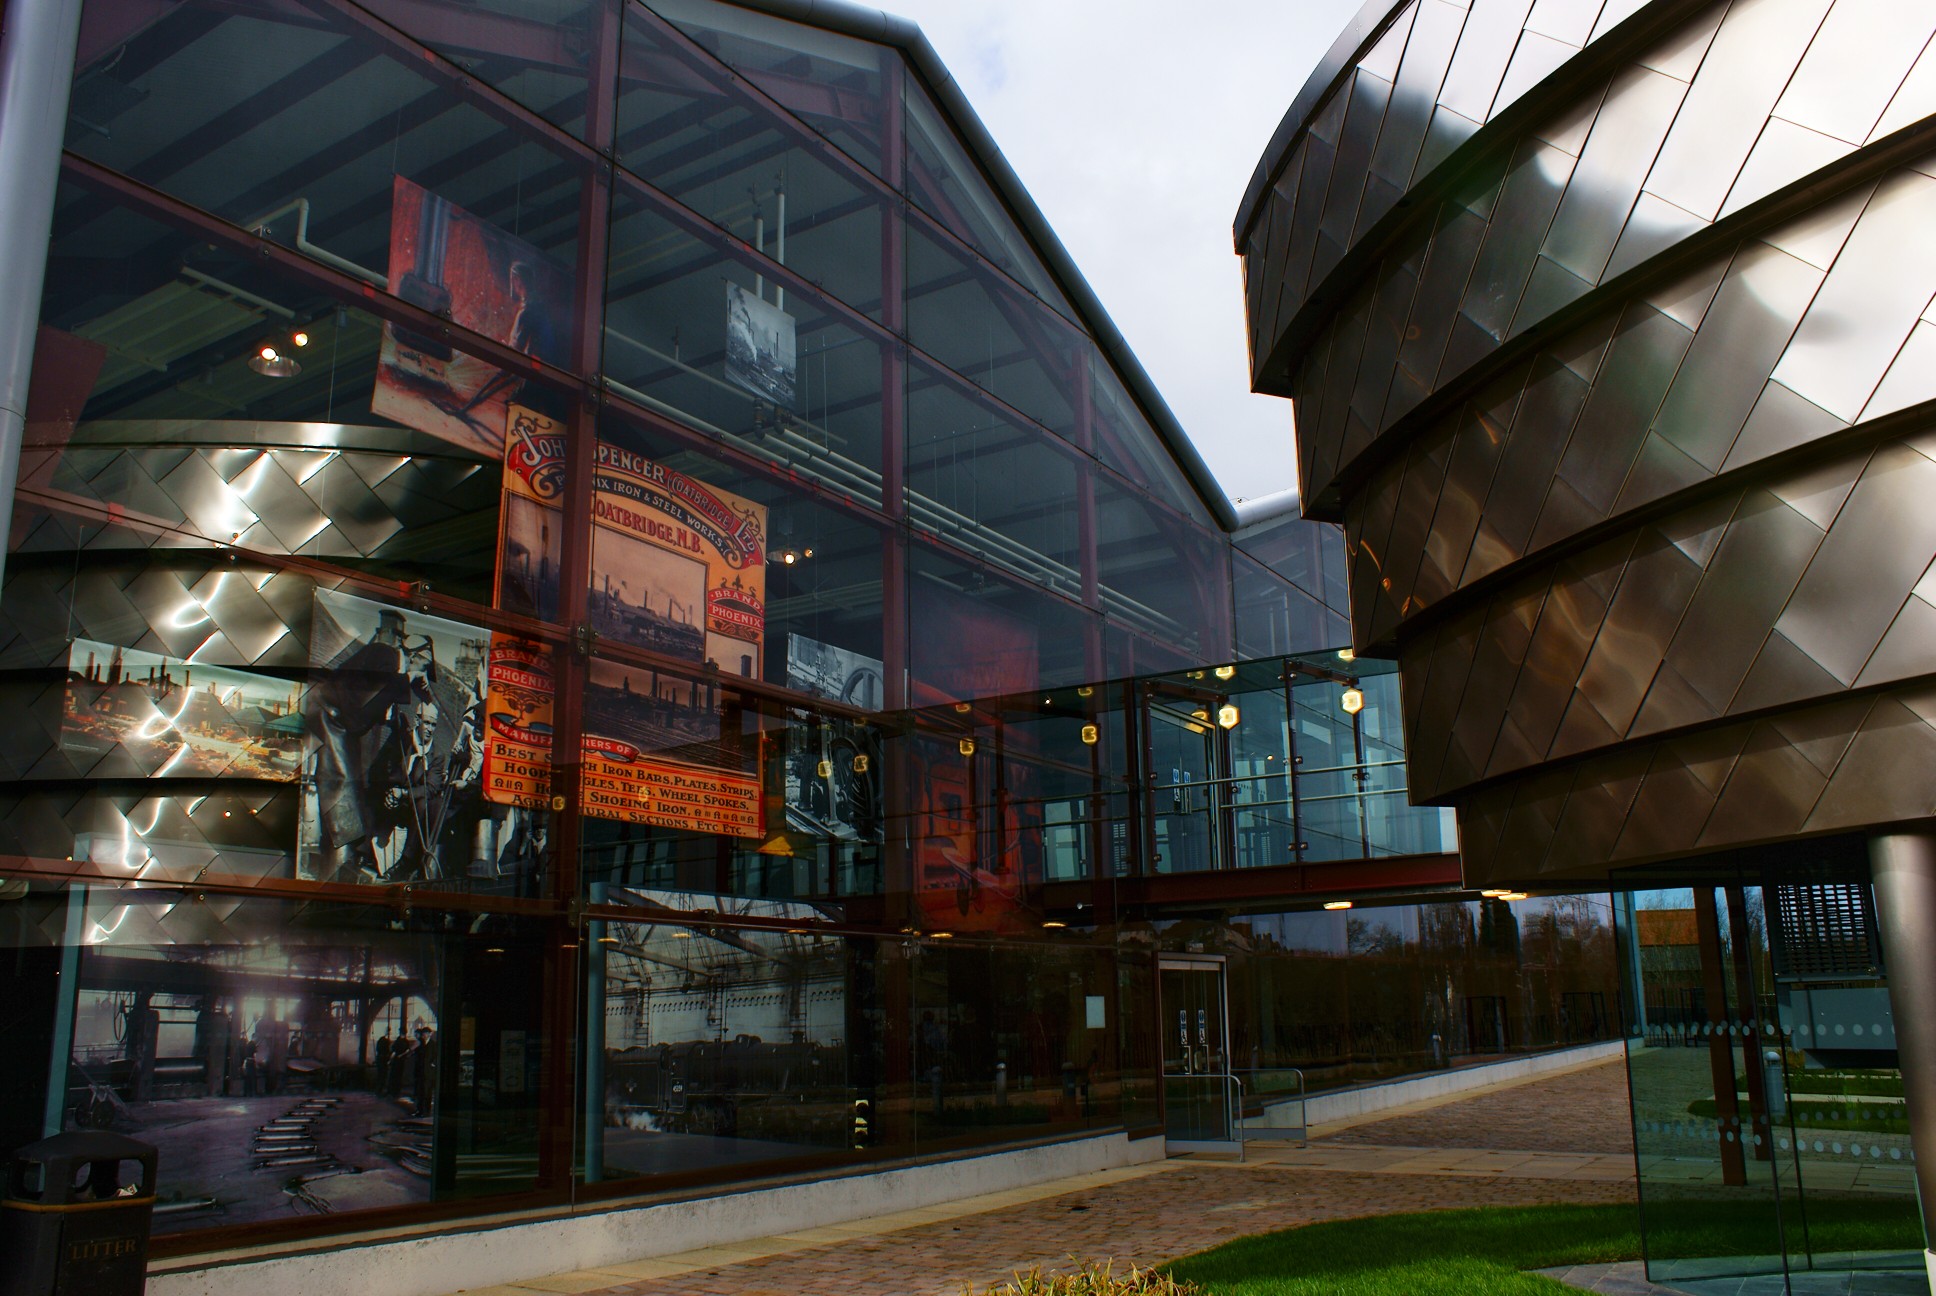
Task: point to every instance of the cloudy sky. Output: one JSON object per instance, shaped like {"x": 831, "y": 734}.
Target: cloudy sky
{"x": 1136, "y": 125}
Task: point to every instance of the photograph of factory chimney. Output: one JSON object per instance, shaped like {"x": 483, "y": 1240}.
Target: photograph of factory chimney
{"x": 135, "y": 714}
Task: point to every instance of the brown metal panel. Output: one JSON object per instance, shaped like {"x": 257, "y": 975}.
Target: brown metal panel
{"x": 1884, "y": 777}
{"x": 1740, "y": 340}
{"x": 1760, "y": 559}
{"x": 1534, "y": 184}
{"x": 1907, "y": 650}
{"x": 1619, "y": 152}
{"x": 1528, "y": 832}
{"x": 1879, "y": 547}
{"x": 1426, "y": 747}
{"x": 1417, "y": 503}
{"x": 1671, "y": 703}
{"x": 1603, "y": 792}
{"x": 1647, "y": 349}
{"x": 1448, "y": 266}
{"x": 1662, "y": 469}
{"x": 1769, "y": 793}
{"x": 1654, "y": 590}
{"x": 1497, "y": 659}
{"x": 1783, "y": 674}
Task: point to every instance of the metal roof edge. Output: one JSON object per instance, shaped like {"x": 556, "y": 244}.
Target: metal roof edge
{"x": 1365, "y": 27}
{"x": 856, "y": 20}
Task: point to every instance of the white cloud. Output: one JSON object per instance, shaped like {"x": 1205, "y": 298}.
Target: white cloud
{"x": 1135, "y": 126}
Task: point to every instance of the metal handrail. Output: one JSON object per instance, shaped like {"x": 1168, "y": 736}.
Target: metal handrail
{"x": 1303, "y": 1103}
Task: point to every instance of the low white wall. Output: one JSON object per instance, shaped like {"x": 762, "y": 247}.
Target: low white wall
{"x": 1347, "y": 1104}
{"x": 479, "y": 1254}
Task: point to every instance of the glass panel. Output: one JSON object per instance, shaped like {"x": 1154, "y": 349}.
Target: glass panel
{"x": 536, "y": 51}
{"x": 976, "y": 322}
{"x": 945, "y": 181}
{"x": 833, "y": 83}
{"x": 975, "y": 635}
{"x": 1275, "y": 616}
{"x": 321, "y": 132}
{"x": 1000, "y": 491}
{"x": 693, "y": 331}
{"x": 1123, "y": 439}
{"x": 687, "y": 128}
{"x": 288, "y": 1059}
{"x": 1161, "y": 575}
{"x": 357, "y": 446}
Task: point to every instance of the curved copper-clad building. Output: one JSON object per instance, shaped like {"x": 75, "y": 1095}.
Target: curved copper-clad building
{"x": 1610, "y": 333}
{"x": 1611, "y": 341}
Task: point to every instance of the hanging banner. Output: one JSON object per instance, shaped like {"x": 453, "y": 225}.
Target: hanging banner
{"x": 653, "y": 752}
{"x": 472, "y": 273}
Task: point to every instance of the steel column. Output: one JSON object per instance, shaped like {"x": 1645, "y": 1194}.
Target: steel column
{"x": 36, "y": 72}
{"x": 1902, "y": 866}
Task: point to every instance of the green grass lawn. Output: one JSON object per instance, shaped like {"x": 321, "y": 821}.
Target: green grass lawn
{"x": 1477, "y": 1252}
{"x": 1485, "y": 1251}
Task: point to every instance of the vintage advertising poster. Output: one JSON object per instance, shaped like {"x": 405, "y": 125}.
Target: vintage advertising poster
{"x": 678, "y": 566}
{"x": 530, "y": 536}
{"x": 393, "y": 788}
{"x": 833, "y": 766}
{"x": 761, "y": 347}
{"x": 653, "y": 750}
{"x": 134, "y": 714}
{"x": 472, "y": 273}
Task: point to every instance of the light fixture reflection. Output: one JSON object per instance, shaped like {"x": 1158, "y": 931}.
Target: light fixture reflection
{"x": 1052, "y": 925}
{"x": 1091, "y": 735}
{"x": 1513, "y": 895}
{"x": 966, "y": 746}
{"x": 1345, "y": 654}
{"x": 1337, "y": 904}
{"x": 1495, "y": 893}
{"x": 1227, "y": 716}
{"x": 1226, "y": 672}
{"x": 271, "y": 363}
{"x": 1353, "y": 701}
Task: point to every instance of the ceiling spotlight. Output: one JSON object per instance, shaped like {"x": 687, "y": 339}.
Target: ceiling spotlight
{"x": 300, "y": 339}
{"x": 1225, "y": 672}
{"x": 1353, "y": 701}
{"x": 680, "y": 933}
{"x": 942, "y": 935}
{"x": 788, "y": 557}
{"x": 1053, "y": 925}
{"x": 1227, "y": 716}
{"x": 1345, "y": 654}
{"x": 1513, "y": 895}
{"x": 1337, "y": 904}
{"x": 806, "y": 553}
{"x": 608, "y": 940}
{"x": 271, "y": 363}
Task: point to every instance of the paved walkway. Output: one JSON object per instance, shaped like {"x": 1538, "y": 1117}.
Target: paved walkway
{"x": 1497, "y": 1147}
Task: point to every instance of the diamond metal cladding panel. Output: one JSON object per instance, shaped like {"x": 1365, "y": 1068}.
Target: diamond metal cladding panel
{"x": 1621, "y": 382}
{"x": 1635, "y": 157}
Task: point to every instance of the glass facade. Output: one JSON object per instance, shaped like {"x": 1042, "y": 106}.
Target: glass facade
{"x": 585, "y": 616}
{"x": 1768, "y": 1101}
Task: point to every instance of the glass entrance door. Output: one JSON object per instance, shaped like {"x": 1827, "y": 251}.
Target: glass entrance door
{"x": 1197, "y": 1087}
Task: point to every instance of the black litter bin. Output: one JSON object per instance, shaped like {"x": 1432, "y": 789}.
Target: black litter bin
{"x": 72, "y": 1223}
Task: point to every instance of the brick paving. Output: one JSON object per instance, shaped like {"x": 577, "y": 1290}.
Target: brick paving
{"x": 1554, "y": 1141}
{"x": 1577, "y": 1111}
